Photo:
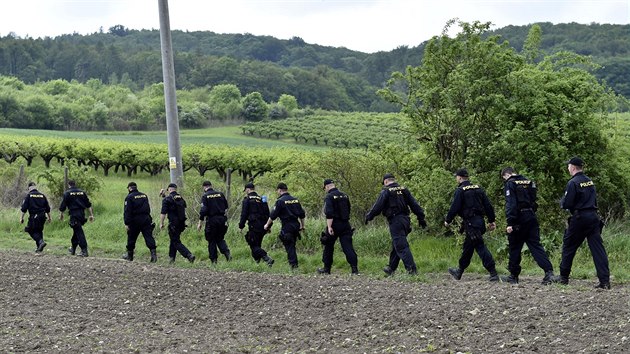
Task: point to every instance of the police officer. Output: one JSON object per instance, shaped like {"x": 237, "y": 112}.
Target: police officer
{"x": 291, "y": 214}
{"x": 394, "y": 202}
{"x": 137, "y": 217}
{"x": 38, "y": 212}
{"x": 255, "y": 212}
{"x": 337, "y": 212}
{"x": 522, "y": 225}
{"x": 471, "y": 203}
{"x": 76, "y": 201}
{"x": 174, "y": 206}
{"x": 580, "y": 198}
{"x": 214, "y": 211}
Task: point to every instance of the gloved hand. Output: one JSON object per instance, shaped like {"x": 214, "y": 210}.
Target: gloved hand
{"x": 422, "y": 223}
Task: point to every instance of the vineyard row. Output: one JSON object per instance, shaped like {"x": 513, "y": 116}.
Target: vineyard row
{"x": 150, "y": 158}
{"x": 351, "y": 130}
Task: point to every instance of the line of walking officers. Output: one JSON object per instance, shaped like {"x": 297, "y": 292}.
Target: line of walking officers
{"x": 395, "y": 202}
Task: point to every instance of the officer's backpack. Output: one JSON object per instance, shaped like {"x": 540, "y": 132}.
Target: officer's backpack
{"x": 180, "y": 209}
{"x": 258, "y": 208}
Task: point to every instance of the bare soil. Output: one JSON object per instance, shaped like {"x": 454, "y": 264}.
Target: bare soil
{"x": 69, "y": 304}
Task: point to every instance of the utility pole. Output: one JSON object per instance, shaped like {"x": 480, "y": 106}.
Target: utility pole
{"x": 170, "y": 97}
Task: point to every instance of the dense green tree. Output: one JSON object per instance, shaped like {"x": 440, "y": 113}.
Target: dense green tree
{"x": 225, "y": 101}
{"x": 277, "y": 111}
{"x": 37, "y": 114}
{"x": 99, "y": 116}
{"x": 57, "y": 87}
{"x": 476, "y": 102}
{"x": 289, "y": 102}
{"x": 458, "y": 89}
{"x": 118, "y": 30}
{"x": 9, "y": 109}
{"x": 254, "y": 107}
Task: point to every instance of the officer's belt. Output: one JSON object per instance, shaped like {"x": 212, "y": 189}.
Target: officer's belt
{"x": 389, "y": 217}
{"x": 526, "y": 209}
{"x": 583, "y": 211}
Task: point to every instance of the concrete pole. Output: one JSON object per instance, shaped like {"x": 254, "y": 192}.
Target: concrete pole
{"x": 170, "y": 97}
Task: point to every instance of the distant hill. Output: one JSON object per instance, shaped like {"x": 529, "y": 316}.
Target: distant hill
{"x": 608, "y": 45}
{"x": 318, "y": 76}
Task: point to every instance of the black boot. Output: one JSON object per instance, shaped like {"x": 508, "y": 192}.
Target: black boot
{"x": 324, "y": 270}
{"x": 493, "y": 276}
{"x": 128, "y": 256}
{"x": 171, "y": 260}
{"x": 191, "y": 258}
{"x": 603, "y": 285}
{"x": 456, "y": 273}
{"x": 40, "y": 246}
{"x": 512, "y": 279}
{"x": 228, "y": 256}
{"x": 268, "y": 260}
{"x": 84, "y": 253}
{"x": 388, "y": 271}
{"x": 548, "y": 279}
{"x": 72, "y": 250}
{"x": 560, "y": 279}
{"x": 153, "y": 256}
{"x": 355, "y": 270}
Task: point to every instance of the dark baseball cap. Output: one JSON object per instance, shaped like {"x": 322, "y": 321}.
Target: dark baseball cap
{"x": 206, "y": 184}
{"x": 328, "y": 181}
{"x": 172, "y": 185}
{"x": 132, "y": 184}
{"x": 249, "y": 185}
{"x": 30, "y": 184}
{"x": 282, "y": 186}
{"x": 576, "y": 161}
{"x": 388, "y": 176}
{"x": 462, "y": 172}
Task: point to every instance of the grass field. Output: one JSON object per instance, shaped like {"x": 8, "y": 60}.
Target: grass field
{"x": 229, "y": 135}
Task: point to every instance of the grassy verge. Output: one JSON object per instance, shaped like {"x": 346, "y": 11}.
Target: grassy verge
{"x": 433, "y": 254}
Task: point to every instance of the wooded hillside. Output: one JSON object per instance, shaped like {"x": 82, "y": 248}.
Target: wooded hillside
{"x": 318, "y": 76}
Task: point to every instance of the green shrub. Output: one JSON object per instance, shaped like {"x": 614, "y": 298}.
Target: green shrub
{"x": 53, "y": 178}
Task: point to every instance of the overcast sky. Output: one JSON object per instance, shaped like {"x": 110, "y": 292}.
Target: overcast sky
{"x": 364, "y": 25}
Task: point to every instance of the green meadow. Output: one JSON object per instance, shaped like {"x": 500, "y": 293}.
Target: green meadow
{"x": 226, "y": 135}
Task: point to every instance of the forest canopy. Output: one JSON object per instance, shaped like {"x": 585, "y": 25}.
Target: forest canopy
{"x": 317, "y": 76}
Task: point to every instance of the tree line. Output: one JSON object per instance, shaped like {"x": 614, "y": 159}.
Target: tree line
{"x": 137, "y": 66}
{"x": 63, "y": 105}
{"x": 318, "y": 76}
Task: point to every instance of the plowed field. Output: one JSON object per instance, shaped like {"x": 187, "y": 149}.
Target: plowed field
{"x": 69, "y": 304}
